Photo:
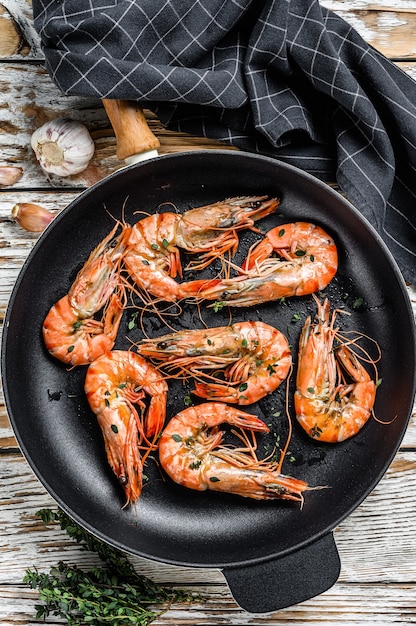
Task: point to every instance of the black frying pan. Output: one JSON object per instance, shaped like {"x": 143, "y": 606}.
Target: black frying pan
{"x": 272, "y": 554}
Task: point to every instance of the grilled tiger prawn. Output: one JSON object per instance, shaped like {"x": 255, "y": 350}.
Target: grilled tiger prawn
{"x": 153, "y": 259}
{"x": 306, "y": 262}
{"x": 115, "y": 384}
{"x": 192, "y": 453}
{"x": 70, "y": 332}
{"x": 327, "y": 407}
{"x": 255, "y": 359}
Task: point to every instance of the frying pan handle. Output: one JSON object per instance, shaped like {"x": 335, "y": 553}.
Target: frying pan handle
{"x": 133, "y": 135}
{"x": 288, "y": 580}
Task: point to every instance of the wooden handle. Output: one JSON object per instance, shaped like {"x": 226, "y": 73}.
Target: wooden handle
{"x": 130, "y": 127}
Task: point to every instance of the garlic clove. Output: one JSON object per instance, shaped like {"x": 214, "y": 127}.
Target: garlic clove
{"x": 9, "y": 175}
{"x": 63, "y": 147}
{"x": 31, "y": 217}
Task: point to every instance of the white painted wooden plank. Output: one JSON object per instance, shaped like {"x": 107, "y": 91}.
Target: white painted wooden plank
{"x": 342, "y": 605}
{"x": 376, "y": 543}
{"x": 370, "y": 5}
{"x": 28, "y": 107}
{"x": 388, "y": 25}
{"x": 17, "y": 17}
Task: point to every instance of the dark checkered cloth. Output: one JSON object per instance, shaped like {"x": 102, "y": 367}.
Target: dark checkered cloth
{"x": 285, "y": 78}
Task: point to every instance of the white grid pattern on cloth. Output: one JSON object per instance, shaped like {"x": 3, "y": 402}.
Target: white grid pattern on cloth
{"x": 286, "y": 78}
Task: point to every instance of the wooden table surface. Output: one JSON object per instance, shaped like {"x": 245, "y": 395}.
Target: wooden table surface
{"x": 376, "y": 543}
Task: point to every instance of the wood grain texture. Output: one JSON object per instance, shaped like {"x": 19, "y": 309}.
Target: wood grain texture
{"x": 388, "y": 25}
{"x": 376, "y": 542}
{"x": 374, "y": 578}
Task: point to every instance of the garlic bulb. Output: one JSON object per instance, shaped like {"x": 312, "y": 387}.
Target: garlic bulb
{"x": 63, "y": 147}
{"x": 9, "y": 175}
{"x": 31, "y": 217}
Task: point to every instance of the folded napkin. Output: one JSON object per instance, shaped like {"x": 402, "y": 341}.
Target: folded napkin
{"x": 285, "y": 78}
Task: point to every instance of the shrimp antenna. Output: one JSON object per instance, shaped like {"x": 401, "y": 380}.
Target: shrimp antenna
{"x": 289, "y": 421}
{"x": 170, "y": 204}
{"x": 150, "y": 305}
{"x": 122, "y": 220}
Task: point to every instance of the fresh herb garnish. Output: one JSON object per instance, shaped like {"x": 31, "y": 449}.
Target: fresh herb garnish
{"x": 316, "y": 431}
{"x": 218, "y": 305}
{"x": 113, "y": 594}
{"x": 133, "y": 321}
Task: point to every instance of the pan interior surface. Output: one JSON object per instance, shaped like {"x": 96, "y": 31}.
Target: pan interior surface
{"x": 59, "y": 434}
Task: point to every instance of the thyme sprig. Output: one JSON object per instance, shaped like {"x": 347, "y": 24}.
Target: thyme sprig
{"x": 112, "y": 594}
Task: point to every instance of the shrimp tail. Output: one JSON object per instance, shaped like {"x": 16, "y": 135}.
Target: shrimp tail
{"x": 351, "y": 364}
{"x": 220, "y": 393}
{"x": 155, "y": 417}
{"x": 112, "y": 316}
{"x": 258, "y": 254}
{"x": 194, "y": 287}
